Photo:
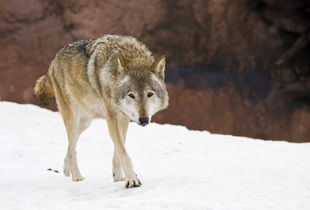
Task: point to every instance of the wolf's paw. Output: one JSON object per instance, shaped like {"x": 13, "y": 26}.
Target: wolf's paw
{"x": 135, "y": 182}
{"x": 77, "y": 178}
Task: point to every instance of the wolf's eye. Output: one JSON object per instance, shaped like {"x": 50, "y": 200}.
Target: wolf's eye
{"x": 149, "y": 95}
{"x": 131, "y": 95}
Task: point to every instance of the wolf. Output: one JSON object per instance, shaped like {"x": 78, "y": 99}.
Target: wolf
{"x": 113, "y": 77}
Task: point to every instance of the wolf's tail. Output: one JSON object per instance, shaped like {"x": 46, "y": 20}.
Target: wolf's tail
{"x": 43, "y": 89}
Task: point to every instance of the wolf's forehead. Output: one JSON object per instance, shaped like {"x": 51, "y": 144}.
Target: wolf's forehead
{"x": 136, "y": 81}
{"x": 124, "y": 81}
{"x": 129, "y": 83}
{"x": 140, "y": 84}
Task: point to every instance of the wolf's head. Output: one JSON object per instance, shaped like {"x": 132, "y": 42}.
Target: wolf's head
{"x": 140, "y": 92}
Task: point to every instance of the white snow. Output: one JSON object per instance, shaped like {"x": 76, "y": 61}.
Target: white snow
{"x": 179, "y": 168}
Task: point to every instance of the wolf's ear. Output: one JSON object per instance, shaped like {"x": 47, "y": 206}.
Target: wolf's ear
{"x": 159, "y": 66}
{"x": 121, "y": 65}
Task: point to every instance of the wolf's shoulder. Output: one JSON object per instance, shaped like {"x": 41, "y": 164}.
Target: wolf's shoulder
{"x": 78, "y": 47}
{"x": 123, "y": 43}
{"x": 105, "y": 46}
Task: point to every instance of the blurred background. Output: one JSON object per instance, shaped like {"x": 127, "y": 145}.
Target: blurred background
{"x": 238, "y": 67}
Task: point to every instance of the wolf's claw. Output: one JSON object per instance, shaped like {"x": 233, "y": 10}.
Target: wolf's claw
{"x": 133, "y": 183}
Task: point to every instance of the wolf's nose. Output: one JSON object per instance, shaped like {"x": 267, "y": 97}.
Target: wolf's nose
{"x": 144, "y": 121}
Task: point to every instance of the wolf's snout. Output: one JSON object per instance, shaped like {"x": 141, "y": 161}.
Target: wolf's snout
{"x": 143, "y": 121}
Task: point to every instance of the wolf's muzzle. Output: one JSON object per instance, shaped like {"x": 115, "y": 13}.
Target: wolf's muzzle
{"x": 144, "y": 121}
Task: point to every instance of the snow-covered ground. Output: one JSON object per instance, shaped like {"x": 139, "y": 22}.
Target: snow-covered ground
{"x": 179, "y": 168}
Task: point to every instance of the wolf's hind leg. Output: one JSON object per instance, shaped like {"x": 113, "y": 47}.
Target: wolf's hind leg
{"x": 75, "y": 124}
{"x": 74, "y": 128}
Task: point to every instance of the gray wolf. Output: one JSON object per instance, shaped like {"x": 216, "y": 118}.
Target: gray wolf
{"x": 112, "y": 77}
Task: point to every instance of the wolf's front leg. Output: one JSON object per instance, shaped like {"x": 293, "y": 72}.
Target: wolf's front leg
{"x": 116, "y": 129}
{"x": 117, "y": 166}
{"x": 117, "y": 169}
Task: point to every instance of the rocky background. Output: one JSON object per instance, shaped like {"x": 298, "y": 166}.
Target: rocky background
{"x": 234, "y": 67}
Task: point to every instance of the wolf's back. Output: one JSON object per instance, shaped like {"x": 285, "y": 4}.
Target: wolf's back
{"x": 43, "y": 89}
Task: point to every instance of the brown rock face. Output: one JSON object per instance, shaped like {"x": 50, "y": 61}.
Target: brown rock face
{"x": 222, "y": 56}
